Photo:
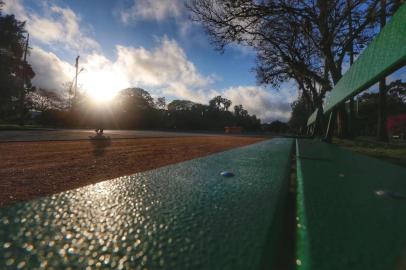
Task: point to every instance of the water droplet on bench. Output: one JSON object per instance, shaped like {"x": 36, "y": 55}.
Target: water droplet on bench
{"x": 390, "y": 194}
{"x": 227, "y": 174}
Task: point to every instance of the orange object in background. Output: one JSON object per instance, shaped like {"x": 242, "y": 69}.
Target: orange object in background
{"x": 232, "y": 130}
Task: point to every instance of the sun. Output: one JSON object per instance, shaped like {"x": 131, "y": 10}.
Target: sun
{"x": 102, "y": 85}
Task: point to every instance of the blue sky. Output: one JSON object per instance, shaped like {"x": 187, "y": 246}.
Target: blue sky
{"x": 142, "y": 43}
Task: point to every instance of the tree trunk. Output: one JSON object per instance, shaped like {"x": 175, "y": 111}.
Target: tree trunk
{"x": 382, "y": 132}
{"x": 342, "y": 125}
{"x": 351, "y": 118}
{"x": 382, "y": 113}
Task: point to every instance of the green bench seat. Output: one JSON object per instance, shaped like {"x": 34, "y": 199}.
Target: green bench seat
{"x": 351, "y": 210}
{"x": 183, "y": 216}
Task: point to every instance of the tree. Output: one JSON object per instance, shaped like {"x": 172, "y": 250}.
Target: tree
{"x": 42, "y": 100}
{"x": 220, "y": 103}
{"x": 300, "y": 113}
{"x": 306, "y": 41}
{"x": 397, "y": 90}
{"x": 134, "y": 108}
{"x": 180, "y": 105}
{"x": 136, "y": 97}
{"x": 160, "y": 103}
{"x": 382, "y": 132}
{"x": 240, "y": 112}
{"x": 277, "y": 127}
{"x": 15, "y": 72}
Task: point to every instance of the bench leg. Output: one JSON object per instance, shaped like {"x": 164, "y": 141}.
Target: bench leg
{"x": 330, "y": 128}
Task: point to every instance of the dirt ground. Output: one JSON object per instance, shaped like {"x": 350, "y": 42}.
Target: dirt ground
{"x": 33, "y": 169}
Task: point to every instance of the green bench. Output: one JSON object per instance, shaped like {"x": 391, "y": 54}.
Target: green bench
{"x": 351, "y": 208}
{"x": 385, "y": 54}
{"x": 183, "y": 216}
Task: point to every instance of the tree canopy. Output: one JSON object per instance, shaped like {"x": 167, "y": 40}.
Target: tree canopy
{"x": 15, "y": 73}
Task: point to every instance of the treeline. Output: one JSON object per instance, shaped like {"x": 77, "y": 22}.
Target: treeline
{"x": 22, "y": 103}
{"x": 134, "y": 108}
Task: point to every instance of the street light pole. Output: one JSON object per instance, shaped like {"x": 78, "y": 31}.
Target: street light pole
{"x": 76, "y": 78}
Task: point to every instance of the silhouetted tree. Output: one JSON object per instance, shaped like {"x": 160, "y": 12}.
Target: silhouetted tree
{"x": 301, "y": 111}
{"x": 160, "y": 103}
{"x": 41, "y": 100}
{"x": 306, "y": 41}
{"x": 276, "y": 127}
{"x": 15, "y": 74}
{"x": 180, "y": 105}
{"x": 220, "y": 103}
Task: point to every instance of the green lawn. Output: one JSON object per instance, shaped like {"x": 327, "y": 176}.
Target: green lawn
{"x": 391, "y": 152}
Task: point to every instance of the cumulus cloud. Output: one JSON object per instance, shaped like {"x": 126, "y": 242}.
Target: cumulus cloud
{"x": 51, "y": 72}
{"x": 15, "y": 7}
{"x": 268, "y": 105}
{"x": 159, "y": 11}
{"x": 152, "y": 10}
{"x": 164, "y": 68}
{"x": 57, "y": 26}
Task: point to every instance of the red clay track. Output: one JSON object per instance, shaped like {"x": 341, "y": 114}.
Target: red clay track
{"x": 32, "y": 169}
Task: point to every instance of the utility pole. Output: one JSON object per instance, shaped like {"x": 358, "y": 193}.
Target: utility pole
{"x": 23, "y": 87}
{"x": 76, "y": 79}
{"x": 351, "y": 122}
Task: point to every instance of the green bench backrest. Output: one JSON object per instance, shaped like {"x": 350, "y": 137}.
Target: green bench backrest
{"x": 385, "y": 54}
{"x": 183, "y": 216}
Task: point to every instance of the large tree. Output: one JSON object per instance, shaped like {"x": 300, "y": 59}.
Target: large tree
{"x": 304, "y": 40}
{"x": 220, "y": 103}
{"x": 15, "y": 72}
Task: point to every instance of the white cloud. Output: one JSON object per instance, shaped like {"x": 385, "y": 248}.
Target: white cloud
{"x": 164, "y": 69}
{"x": 268, "y": 105}
{"x": 51, "y": 72}
{"x": 15, "y": 7}
{"x": 166, "y": 63}
{"x": 157, "y": 10}
{"x": 56, "y": 26}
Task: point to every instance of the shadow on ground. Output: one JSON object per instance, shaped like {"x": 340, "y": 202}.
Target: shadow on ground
{"x": 100, "y": 143}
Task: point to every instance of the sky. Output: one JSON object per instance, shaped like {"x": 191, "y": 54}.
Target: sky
{"x": 150, "y": 44}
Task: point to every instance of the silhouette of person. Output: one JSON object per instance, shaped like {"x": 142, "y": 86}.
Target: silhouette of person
{"x": 100, "y": 121}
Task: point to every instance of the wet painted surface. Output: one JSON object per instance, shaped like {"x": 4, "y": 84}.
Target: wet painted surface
{"x": 184, "y": 216}
{"x": 351, "y": 210}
